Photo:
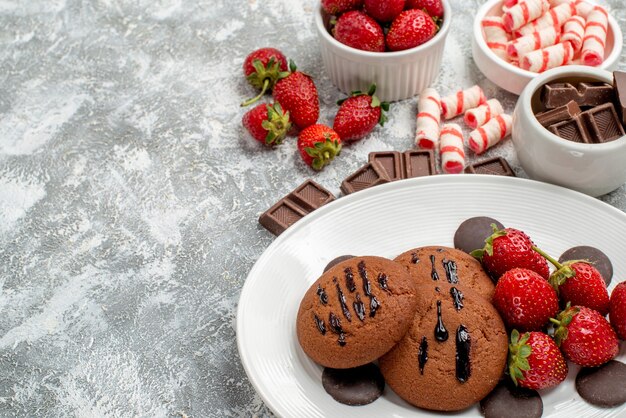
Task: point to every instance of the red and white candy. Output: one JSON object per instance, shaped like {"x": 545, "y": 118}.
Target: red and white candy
{"x": 496, "y": 35}
{"x": 594, "y": 41}
{"x": 461, "y": 101}
{"x": 491, "y": 133}
{"x": 523, "y": 12}
{"x": 536, "y": 40}
{"x": 451, "y": 149}
{"x": 574, "y": 31}
{"x": 551, "y": 57}
{"x": 483, "y": 113}
{"x": 428, "y": 118}
{"x": 554, "y": 18}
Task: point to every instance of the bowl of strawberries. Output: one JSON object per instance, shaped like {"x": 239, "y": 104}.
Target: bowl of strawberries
{"x": 396, "y": 44}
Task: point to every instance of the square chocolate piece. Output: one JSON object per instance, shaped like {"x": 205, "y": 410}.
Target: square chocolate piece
{"x": 572, "y": 130}
{"x": 602, "y": 123}
{"x": 310, "y": 196}
{"x": 418, "y": 163}
{"x": 281, "y": 216}
{"x": 391, "y": 162}
{"x": 555, "y": 95}
{"x": 496, "y": 166}
{"x": 561, "y": 113}
{"x": 371, "y": 174}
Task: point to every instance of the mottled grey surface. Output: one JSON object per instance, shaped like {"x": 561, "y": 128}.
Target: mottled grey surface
{"x": 129, "y": 195}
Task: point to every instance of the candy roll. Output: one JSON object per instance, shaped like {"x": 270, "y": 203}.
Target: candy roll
{"x": 595, "y": 37}
{"x": 583, "y": 8}
{"x": 461, "y": 101}
{"x": 428, "y": 118}
{"x": 480, "y": 115}
{"x": 491, "y": 133}
{"x": 523, "y": 12}
{"x": 536, "y": 40}
{"x": 544, "y": 59}
{"x": 496, "y": 35}
{"x": 451, "y": 149}
{"x": 574, "y": 31}
{"x": 554, "y": 18}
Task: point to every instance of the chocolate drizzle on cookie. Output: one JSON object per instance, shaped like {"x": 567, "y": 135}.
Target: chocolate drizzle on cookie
{"x": 335, "y": 326}
{"x": 441, "y": 333}
{"x": 322, "y": 295}
{"x": 342, "y": 301}
{"x": 463, "y": 346}
{"x": 422, "y": 354}
{"x": 367, "y": 289}
{"x": 450, "y": 268}
{"x": 433, "y": 271}
{"x": 457, "y": 298}
{"x": 359, "y": 308}
{"x": 349, "y": 279}
{"x": 414, "y": 258}
{"x": 382, "y": 282}
{"x": 319, "y": 323}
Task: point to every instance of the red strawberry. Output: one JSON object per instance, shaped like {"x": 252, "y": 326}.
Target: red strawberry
{"x": 318, "y": 145}
{"x": 358, "y": 30}
{"x": 267, "y": 123}
{"x": 579, "y": 283}
{"x": 358, "y": 115}
{"x": 617, "y": 310}
{"x": 297, "y": 94}
{"x": 432, "y": 7}
{"x": 525, "y": 300}
{"x": 263, "y": 68}
{"x": 335, "y": 7}
{"x": 585, "y": 337}
{"x": 535, "y": 361}
{"x": 411, "y": 28}
{"x": 384, "y": 10}
{"x": 509, "y": 248}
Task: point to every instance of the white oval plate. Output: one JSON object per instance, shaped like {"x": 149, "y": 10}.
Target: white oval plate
{"x": 387, "y": 220}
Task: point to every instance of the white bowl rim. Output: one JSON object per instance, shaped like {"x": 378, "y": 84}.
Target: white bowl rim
{"x": 447, "y": 11}
{"x": 562, "y": 72}
{"x": 482, "y": 44}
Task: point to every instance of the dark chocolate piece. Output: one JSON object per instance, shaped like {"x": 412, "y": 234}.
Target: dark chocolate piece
{"x": 296, "y": 205}
{"x": 496, "y": 166}
{"x": 572, "y": 130}
{"x": 472, "y": 232}
{"x": 555, "y": 95}
{"x": 561, "y": 113}
{"x": 600, "y": 260}
{"x": 371, "y": 174}
{"x": 619, "y": 87}
{"x": 391, "y": 161}
{"x": 602, "y": 123}
{"x": 418, "y": 163}
{"x": 509, "y": 401}
{"x": 603, "y": 386}
{"x": 310, "y": 196}
{"x": 336, "y": 261}
{"x": 357, "y": 386}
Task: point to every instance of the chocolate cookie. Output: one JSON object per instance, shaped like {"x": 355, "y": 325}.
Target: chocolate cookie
{"x": 453, "y": 354}
{"x": 357, "y": 386}
{"x": 600, "y": 260}
{"x": 355, "y": 312}
{"x": 509, "y": 401}
{"x": 472, "y": 232}
{"x": 447, "y": 266}
{"x": 604, "y": 385}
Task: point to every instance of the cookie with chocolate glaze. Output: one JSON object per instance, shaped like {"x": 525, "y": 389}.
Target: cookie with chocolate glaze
{"x": 449, "y": 266}
{"x": 453, "y": 354}
{"x": 355, "y": 312}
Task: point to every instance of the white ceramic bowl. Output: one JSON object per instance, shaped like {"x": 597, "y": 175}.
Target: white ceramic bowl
{"x": 594, "y": 169}
{"x": 514, "y": 79}
{"x": 398, "y": 75}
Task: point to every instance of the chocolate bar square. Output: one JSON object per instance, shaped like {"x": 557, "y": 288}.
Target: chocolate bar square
{"x": 572, "y": 130}
{"x": 555, "y": 95}
{"x": 281, "y": 216}
{"x": 418, "y": 163}
{"x": 496, "y": 166}
{"x": 391, "y": 162}
{"x": 310, "y": 195}
{"x": 561, "y": 113}
{"x": 602, "y": 123}
{"x": 371, "y": 174}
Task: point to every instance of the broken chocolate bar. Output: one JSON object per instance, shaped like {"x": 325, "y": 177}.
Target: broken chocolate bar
{"x": 418, "y": 163}
{"x": 619, "y": 86}
{"x": 561, "y": 113}
{"x": 296, "y": 205}
{"x": 496, "y": 166}
{"x": 371, "y": 174}
{"x": 602, "y": 123}
{"x": 555, "y": 95}
{"x": 572, "y": 130}
{"x": 391, "y": 162}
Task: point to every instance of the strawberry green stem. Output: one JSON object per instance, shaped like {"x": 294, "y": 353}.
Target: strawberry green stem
{"x": 547, "y": 257}
{"x": 266, "y": 84}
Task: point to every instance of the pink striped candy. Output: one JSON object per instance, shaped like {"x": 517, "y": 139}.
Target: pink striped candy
{"x": 496, "y": 35}
{"x": 554, "y": 17}
{"x": 551, "y": 57}
{"x": 428, "y": 118}
{"x": 491, "y": 133}
{"x": 461, "y": 101}
{"x": 451, "y": 149}
{"x": 523, "y": 12}
{"x": 594, "y": 40}
{"x": 480, "y": 115}
{"x": 574, "y": 31}
{"x": 536, "y": 40}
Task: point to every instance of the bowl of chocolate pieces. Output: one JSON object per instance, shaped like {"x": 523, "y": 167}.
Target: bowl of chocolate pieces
{"x": 569, "y": 129}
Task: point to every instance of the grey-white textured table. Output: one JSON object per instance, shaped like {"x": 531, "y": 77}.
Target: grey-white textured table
{"x": 129, "y": 194}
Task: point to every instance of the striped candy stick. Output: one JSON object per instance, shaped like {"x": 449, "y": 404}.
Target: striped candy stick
{"x": 550, "y": 57}
{"x": 573, "y": 32}
{"x": 491, "y": 133}
{"x": 554, "y": 17}
{"x": 496, "y": 35}
{"x": 481, "y": 115}
{"x": 451, "y": 149}
{"x": 428, "y": 118}
{"x": 536, "y": 40}
{"x": 461, "y": 101}
{"x": 594, "y": 40}
{"x": 523, "y": 12}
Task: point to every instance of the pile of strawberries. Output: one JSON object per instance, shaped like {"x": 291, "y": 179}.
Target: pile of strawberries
{"x": 296, "y": 109}
{"x": 379, "y": 26}
{"x": 551, "y": 316}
